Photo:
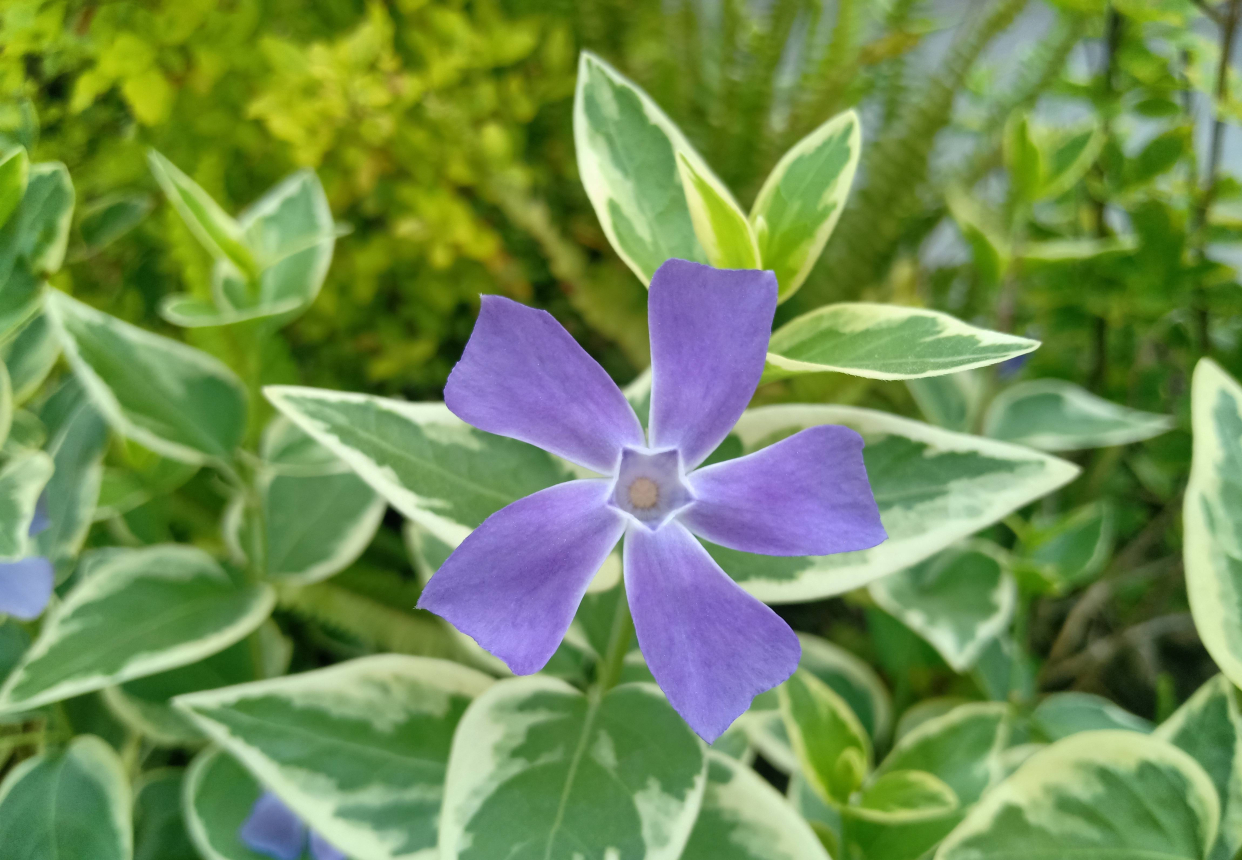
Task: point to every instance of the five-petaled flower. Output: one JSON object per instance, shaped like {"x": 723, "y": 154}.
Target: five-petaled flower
{"x": 275, "y": 830}
{"x": 26, "y": 584}
{"x": 515, "y": 582}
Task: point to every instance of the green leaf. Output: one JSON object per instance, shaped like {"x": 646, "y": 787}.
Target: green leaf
{"x": 14, "y": 170}
{"x": 220, "y": 234}
{"x": 1212, "y": 516}
{"x": 1159, "y": 155}
{"x": 1209, "y": 727}
{"x": 803, "y": 197}
{"x": 317, "y": 525}
{"x": 1112, "y": 794}
{"x": 21, "y": 481}
{"x": 958, "y": 600}
{"x": 539, "y": 771}
{"x": 109, "y": 218}
{"x": 900, "y": 816}
{"x": 29, "y": 354}
{"x": 1071, "y": 160}
{"x": 990, "y": 248}
{"x": 933, "y": 488}
{"x": 1023, "y": 159}
{"x": 218, "y": 797}
{"x": 430, "y": 465}
{"x": 627, "y": 150}
{"x": 172, "y": 398}
{"x": 744, "y": 818}
{"x": 159, "y": 828}
{"x": 77, "y": 450}
{"x": 32, "y": 243}
{"x": 1072, "y": 550}
{"x": 6, "y": 403}
{"x": 71, "y": 805}
{"x": 1053, "y": 251}
{"x": 140, "y": 612}
{"x": 373, "y": 738}
{"x": 848, "y": 676}
{"x": 1055, "y": 415}
{"x": 719, "y": 224}
{"x": 952, "y": 401}
{"x": 1063, "y": 714}
{"x": 832, "y": 747}
{"x": 885, "y": 342}
{"x": 961, "y": 748}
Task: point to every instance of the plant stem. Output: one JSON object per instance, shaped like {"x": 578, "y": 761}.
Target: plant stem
{"x": 618, "y": 645}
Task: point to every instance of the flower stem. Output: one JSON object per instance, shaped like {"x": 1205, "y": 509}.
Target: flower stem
{"x": 618, "y": 645}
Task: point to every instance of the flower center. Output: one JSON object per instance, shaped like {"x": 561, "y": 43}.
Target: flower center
{"x": 649, "y": 486}
{"x": 644, "y": 493}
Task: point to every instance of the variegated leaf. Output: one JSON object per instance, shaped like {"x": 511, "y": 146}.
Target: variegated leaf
{"x": 374, "y": 734}
{"x": 744, "y": 818}
{"x": 832, "y": 747}
{"x": 900, "y": 816}
{"x": 14, "y": 171}
{"x": 21, "y": 481}
{"x": 170, "y": 397}
{"x": 139, "y": 612}
{"x": 961, "y": 748}
{"x": 958, "y": 600}
{"x": 539, "y": 771}
{"x": 627, "y": 159}
{"x": 6, "y": 402}
{"x": 719, "y": 224}
{"x": 1063, "y": 714}
{"x": 68, "y": 805}
{"x": 1212, "y": 516}
{"x": 159, "y": 825}
{"x": 951, "y": 401}
{"x": 1055, "y": 415}
{"x": 803, "y": 197}
{"x": 1072, "y": 550}
{"x": 29, "y": 354}
{"x": 33, "y": 242}
{"x": 430, "y": 465}
{"x": 934, "y": 487}
{"x": 885, "y": 342}
{"x": 1209, "y": 727}
{"x": 77, "y": 449}
{"x": 1113, "y": 794}
{"x": 218, "y": 796}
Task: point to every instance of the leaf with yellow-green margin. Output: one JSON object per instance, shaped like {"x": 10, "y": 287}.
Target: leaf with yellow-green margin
{"x": 831, "y": 745}
{"x": 719, "y": 224}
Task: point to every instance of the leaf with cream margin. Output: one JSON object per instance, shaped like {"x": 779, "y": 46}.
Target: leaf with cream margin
{"x": 627, "y": 152}
{"x": 934, "y": 487}
{"x": 1063, "y": 714}
{"x": 174, "y": 399}
{"x": 430, "y": 465}
{"x": 1212, "y": 516}
{"x": 373, "y": 737}
{"x": 832, "y": 747}
{"x": 803, "y": 198}
{"x": 958, "y": 600}
{"x": 878, "y": 341}
{"x": 719, "y": 224}
{"x": 1208, "y": 726}
{"x": 139, "y": 612}
{"x": 77, "y": 449}
{"x": 849, "y": 677}
{"x": 744, "y": 818}
{"x": 900, "y": 816}
{"x": 1113, "y": 794}
{"x": 14, "y": 171}
{"x": 68, "y": 805}
{"x": 29, "y": 355}
{"x": 1055, "y": 415}
{"x": 541, "y": 771}
{"x": 33, "y": 242}
{"x": 21, "y": 481}
{"x": 218, "y": 795}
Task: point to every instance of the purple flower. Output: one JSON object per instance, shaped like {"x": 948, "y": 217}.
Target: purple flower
{"x": 275, "y": 830}
{"x": 26, "y": 584}
{"x": 516, "y": 581}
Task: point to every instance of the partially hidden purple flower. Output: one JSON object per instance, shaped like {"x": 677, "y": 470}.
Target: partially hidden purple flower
{"x": 275, "y": 830}
{"x": 26, "y": 584}
{"x": 515, "y": 582}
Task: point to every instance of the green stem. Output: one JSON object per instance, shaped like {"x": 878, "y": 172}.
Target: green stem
{"x": 618, "y": 646}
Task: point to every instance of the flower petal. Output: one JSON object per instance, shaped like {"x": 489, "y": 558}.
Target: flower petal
{"x": 322, "y": 849}
{"x": 523, "y": 376}
{"x": 710, "y": 645}
{"x": 26, "y": 587}
{"x": 805, "y": 495}
{"x": 709, "y": 337}
{"x": 273, "y": 829}
{"x": 516, "y": 581}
